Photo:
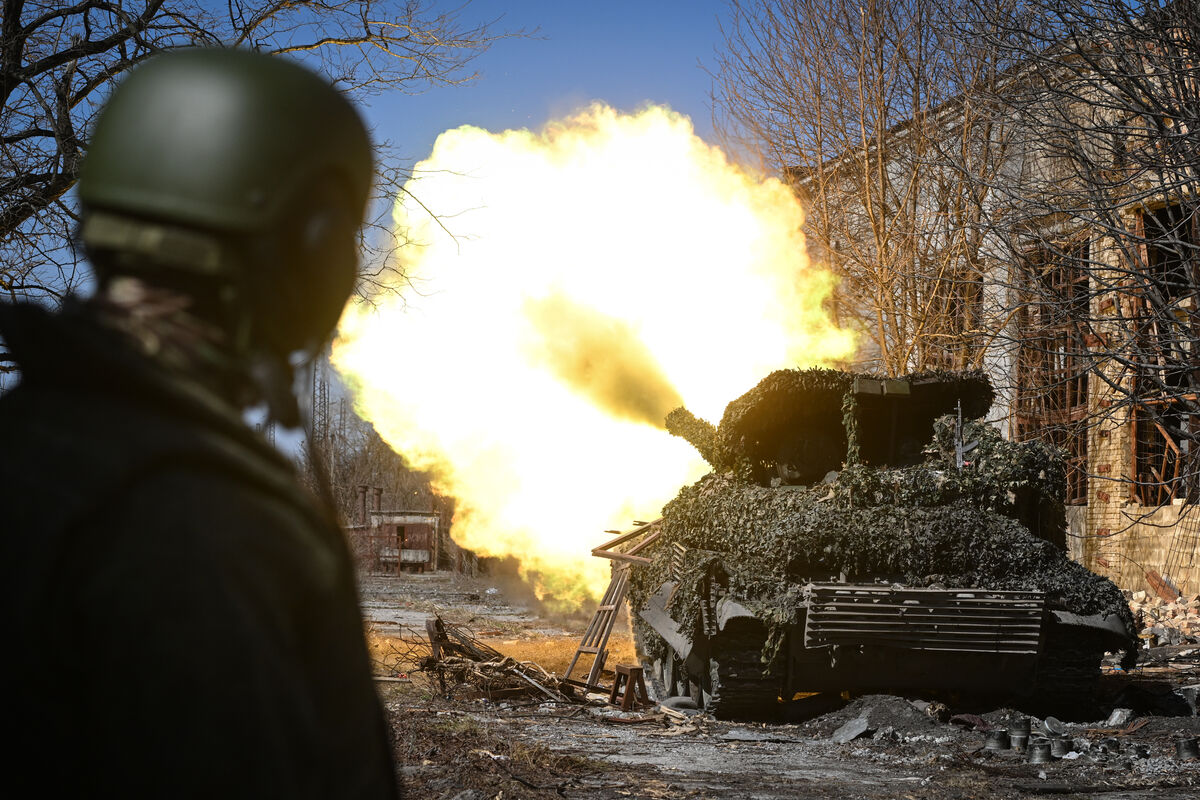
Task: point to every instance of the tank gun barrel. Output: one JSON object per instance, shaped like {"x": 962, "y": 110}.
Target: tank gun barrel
{"x": 699, "y": 433}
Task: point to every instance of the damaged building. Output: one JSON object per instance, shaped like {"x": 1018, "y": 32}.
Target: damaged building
{"x": 1044, "y": 227}
{"x": 389, "y": 542}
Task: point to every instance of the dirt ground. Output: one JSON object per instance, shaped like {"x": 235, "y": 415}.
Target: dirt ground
{"x": 452, "y": 742}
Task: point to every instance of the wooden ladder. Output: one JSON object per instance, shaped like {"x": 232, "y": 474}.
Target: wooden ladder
{"x": 595, "y": 639}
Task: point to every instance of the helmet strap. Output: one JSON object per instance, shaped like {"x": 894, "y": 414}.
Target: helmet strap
{"x": 170, "y": 246}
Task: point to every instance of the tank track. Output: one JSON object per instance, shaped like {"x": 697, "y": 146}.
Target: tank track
{"x": 737, "y": 687}
{"x": 647, "y": 643}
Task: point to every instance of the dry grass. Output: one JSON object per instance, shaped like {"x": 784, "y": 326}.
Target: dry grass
{"x": 395, "y": 655}
{"x": 554, "y": 653}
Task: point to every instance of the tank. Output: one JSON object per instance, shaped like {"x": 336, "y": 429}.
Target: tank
{"x": 862, "y": 533}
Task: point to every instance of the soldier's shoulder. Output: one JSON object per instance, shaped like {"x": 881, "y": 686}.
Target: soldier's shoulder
{"x": 68, "y": 453}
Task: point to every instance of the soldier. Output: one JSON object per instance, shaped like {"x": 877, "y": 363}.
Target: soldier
{"x": 181, "y": 617}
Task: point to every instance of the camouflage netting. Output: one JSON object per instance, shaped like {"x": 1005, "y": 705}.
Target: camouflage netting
{"x": 697, "y": 432}
{"x": 822, "y": 401}
{"x": 922, "y": 525}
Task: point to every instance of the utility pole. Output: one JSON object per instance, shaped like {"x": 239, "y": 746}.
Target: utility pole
{"x": 320, "y": 403}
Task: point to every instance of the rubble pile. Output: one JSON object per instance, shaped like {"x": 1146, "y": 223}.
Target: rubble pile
{"x": 1160, "y": 622}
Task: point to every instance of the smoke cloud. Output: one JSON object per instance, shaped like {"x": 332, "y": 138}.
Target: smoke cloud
{"x": 602, "y": 358}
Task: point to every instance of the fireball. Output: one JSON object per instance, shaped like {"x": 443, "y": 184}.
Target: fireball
{"x": 566, "y": 289}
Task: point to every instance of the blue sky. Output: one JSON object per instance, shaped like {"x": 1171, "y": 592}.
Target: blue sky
{"x": 622, "y": 52}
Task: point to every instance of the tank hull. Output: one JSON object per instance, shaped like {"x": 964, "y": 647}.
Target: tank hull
{"x": 872, "y": 638}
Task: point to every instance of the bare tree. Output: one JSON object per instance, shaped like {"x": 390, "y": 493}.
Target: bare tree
{"x": 59, "y": 60}
{"x": 865, "y": 107}
{"x": 1102, "y": 225}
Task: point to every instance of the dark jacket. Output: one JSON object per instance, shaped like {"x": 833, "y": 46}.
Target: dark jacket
{"x": 180, "y": 616}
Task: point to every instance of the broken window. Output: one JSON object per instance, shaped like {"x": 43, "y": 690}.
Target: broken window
{"x": 1166, "y": 426}
{"x": 1171, "y": 252}
{"x": 1164, "y": 452}
{"x": 1052, "y": 382}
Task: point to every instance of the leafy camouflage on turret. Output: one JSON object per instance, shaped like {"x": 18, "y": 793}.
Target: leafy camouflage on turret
{"x": 785, "y": 398}
{"x": 812, "y": 418}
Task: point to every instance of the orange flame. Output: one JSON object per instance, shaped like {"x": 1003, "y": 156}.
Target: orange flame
{"x": 577, "y": 284}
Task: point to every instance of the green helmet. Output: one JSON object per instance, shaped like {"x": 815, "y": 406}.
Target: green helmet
{"x": 239, "y": 165}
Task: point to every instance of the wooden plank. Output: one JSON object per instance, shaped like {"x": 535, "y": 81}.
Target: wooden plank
{"x": 624, "y": 537}
{"x": 642, "y": 544}
{"x": 621, "y": 557}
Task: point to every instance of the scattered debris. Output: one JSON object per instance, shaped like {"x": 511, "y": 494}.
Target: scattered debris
{"x": 1119, "y": 718}
{"x": 461, "y": 744}
{"x": 1132, "y": 727}
{"x": 1166, "y": 622}
{"x": 747, "y": 735}
{"x": 938, "y": 712}
{"x": 457, "y": 658}
{"x": 851, "y": 730}
{"x": 971, "y": 722}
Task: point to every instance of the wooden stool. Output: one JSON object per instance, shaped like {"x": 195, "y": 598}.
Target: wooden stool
{"x": 635, "y": 687}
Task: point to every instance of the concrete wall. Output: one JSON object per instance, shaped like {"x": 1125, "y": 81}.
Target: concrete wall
{"x": 1143, "y": 548}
